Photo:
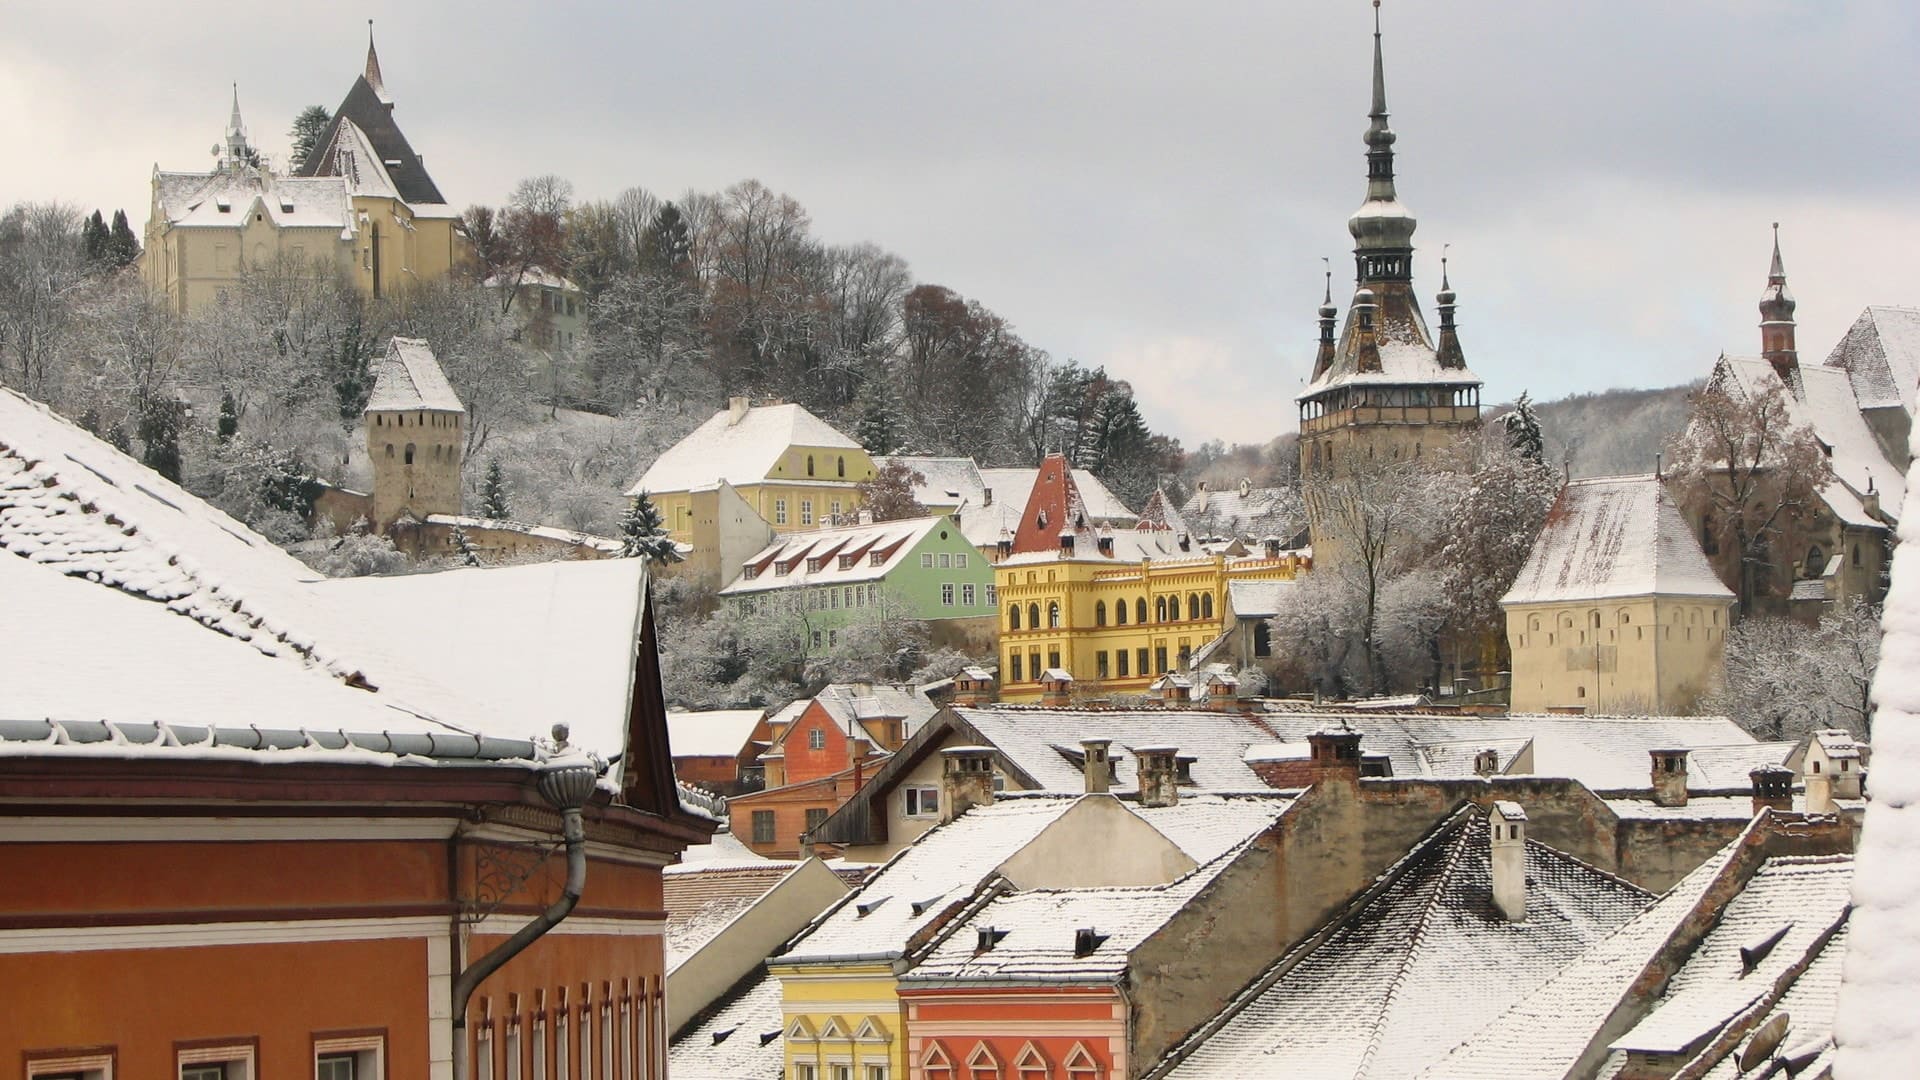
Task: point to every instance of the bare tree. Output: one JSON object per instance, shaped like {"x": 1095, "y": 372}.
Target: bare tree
{"x": 1785, "y": 678}
{"x": 1373, "y": 516}
{"x": 42, "y": 265}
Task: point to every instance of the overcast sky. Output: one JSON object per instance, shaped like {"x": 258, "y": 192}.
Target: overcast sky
{"x": 1146, "y": 186}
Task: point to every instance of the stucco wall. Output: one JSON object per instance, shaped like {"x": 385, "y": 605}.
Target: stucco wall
{"x": 697, "y": 980}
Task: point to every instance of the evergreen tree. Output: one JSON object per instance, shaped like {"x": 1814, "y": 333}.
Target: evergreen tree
{"x": 1523, "y": 431}
{"x": 643, "y": 534}
{"x": 94, "y": 238}
{"x": 493, "y": 493}
{"x": 160, "y": 435}
{"x": 307, "y": 128}
{"x": 666, "y": 249}
{"x": 122, "y": 246}
{"x": 464, "y": 547}
{"x": 229, "y": 423}
{"x": 880, "y": 429}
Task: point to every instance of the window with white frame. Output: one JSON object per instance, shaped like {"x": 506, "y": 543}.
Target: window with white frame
{"x": 966, "y": 595}
{"x": 946, "y": 594}
{"x": 804, "y": 1070}
{"x": 876, "y": 1072}
{"x": 806, "y": 511}
{"x": 350, "y": 1057}
{"x": 926, "y": 561}
{"x": 946, "y": 561}
{"x": 816, "y": 738}
{"x": 230, "y": 1062}
{"x": 921, "y": 801}
{"x": 960, "y": 561}
{"x": 74, "y": 1065}
{"x": 779, "y": 511}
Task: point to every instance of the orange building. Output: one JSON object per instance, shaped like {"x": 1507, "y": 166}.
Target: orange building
{"x": 253, "y": 824}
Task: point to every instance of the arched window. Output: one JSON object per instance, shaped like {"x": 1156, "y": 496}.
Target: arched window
{"x": 1053, "y": 615}
{"x": 409, "y": 459}
{"x": 1173, "y": 608}
{"x": 1262, "y": 639}
{"x": 1593, "y": 619}
{"x": 809, "y": 464}
{"x": 1099, "y": 613}
{"x": 1033, "y": 616}
{"x": 1193, "y": 605}
{"x": 1816, "y": 561}
{"x": 1140, "y": 610}
{"x": 1206, "y": 605}
{"x": 1013, "y": 617}
{"x": 1159, "y": 609}
{"x": 841, "y": 466}
{"x": 389, "y": 449}
{"x": 1120, "y": 612}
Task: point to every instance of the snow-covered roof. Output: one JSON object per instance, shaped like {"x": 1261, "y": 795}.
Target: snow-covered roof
{"x": 1411, "y": 964}
{"x": 1013, "y": 487}
{"x": 1258, "y": 599}
{"x": 737, "y": 1038}
{"x": 713, "y": 733}
{"x": 1781, "y": 921}
{"x": 1249, "y": 513}
{"x": 1406, "y": 346}
{"x": 945, "y": 481}
{"x": 1881, "y": 353}
{"x": 408, "y": 378}
{"x": 702, "y": 901}
{"x": 537, "y": 276}
{"x": 1879, "y": 1029}
{"x": 742, "y": 451}
{"x": 193, "y": 200}
{"x": 1043, "y": 742}
{"x": 843, "y": 555}
{"x": 1610, "y": 538}
{"x": 1159, "y": 514}
{"x": 851, "y": 704}
{"x": 1824, "y": 401}
{"x": 724, "y": 851}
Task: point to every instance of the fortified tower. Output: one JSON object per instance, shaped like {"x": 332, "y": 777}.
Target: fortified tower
{"x": 416, "y": 436}
{"x": 1386, "y": 389}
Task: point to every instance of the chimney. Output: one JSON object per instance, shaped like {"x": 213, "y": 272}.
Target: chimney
{"x": 1669, "y": 777}
{"x": 1486, "y": 762}
{"x": 736, "y": 409}
{"x": 1096, "y": 765}
{"x": 1005, "y": 546}
{"x": 1772, "y": 787}
{"x": 1507, "y": 826}
{"x": 1272, "y": 544}
{"x": 972, "y": 686}
{"x": 966, "y": 780}
{"x": 1223, "y": 694}
{"x": 1158, "y": 769}
{"x": 1056, "y": 688}
{"x": 1335, "y": 752}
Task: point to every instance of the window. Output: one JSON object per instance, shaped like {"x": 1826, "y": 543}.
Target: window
{"x": 1160, "y": 660}
{"x": 1033, "y": 616}
{"x": 1033, "y": 665}
{"x": 409, "y": 459}
{"x": 1013, "y": 617}
{"x": 1262, "y": 640}
{"x": 1120, "y": 613}
{"x": 993, "y": 596}
{"x": 1100, "y": 663}
{"x": 1120, "y": 660}
{"x": 1100, "y": 613}
{"x": 876, "y": 1072}
{"x": 840, "y": 467}
{"x": 354, "y": 1057}
{"x": 763, "y": 826}
{"x": 1053, "y": 615}
{"x": 966, "y": 595}
{"x": 1159, "y": 609}
{"x": 946, "y": 561}
{"x": 1013, "y": 662}
{"x": 779, "y": 511}
{"x": 926, "y": 561}
{"x": 1140, "y": 610}
{"x": 816, "y": 817}
{"x": 1140, "y": 666}
{"x": 1206, "y": 606}
{"x": 1173, "y": 609}
{"x": 946, "y": 594}
{"x": 1053, "y": 658}
{"x": 803, "y": 1070}
{"x": 836, "y": 508}
{"x": 228, "y": 1062}
{"x": 806, "y": 511}
{"x": 809, "y": 464}
{"x": 960, "y": 561}
{"x": 816, "y": 739}
{"x": 70, "y": 1065}
{"x": 921, "y": 802}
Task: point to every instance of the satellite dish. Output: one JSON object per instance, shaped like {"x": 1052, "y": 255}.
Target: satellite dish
{"x": 1760, "y": 1048}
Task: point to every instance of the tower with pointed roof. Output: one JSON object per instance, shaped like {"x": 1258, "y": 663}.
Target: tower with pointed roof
{"x": 235, "y": 152}
{"x": 1776, "y": 320}
{"x": 416, "y": 435}
{"x": 1385, "y": 389}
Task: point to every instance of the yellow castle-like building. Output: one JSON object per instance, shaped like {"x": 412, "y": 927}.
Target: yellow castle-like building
{"x": 361, "y": 203}
{"x": 1088, "y": 609}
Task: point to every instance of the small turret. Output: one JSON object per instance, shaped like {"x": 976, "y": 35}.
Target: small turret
{"x": 1447, "y": 352}
{"x": 235, "y": 152}
{"x": 1367, "y": 343}
{"x": 1329, "y": 315}
{"x": 1776, "y": 320}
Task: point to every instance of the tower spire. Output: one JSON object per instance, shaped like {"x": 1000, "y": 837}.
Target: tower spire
{"x": 234, "y": 150}
{"x": 373, "y": 68}
{"x": 1777, "y": 328}
{"x": 1325, "y": 353}
{"x": 1447, "y": 351}
{"x": 1382, "y": 229}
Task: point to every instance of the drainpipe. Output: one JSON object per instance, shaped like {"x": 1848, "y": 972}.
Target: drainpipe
{"x": 566, "y": 782}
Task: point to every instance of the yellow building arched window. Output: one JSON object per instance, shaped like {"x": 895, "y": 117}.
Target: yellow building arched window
{"x": 1120, "y": 612}
{"x": 809, "y": 464}
{"x": 1033, "y": 616}
{"x": 1013, "y": 617}
{"x": 1159, "y": 609}
{"x": 1140, "y": 610}
{"x": 1099, "y": 613}
{"x": 1206, "y": 605}
{"x": 1173, "y": 608}
{"x": 1053, "y": 615}
{"x": 841, "y": 466}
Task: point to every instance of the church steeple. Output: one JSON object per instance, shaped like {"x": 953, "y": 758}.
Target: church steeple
{"x": 1382, "y": 228}
{"x": 1776, "y": 319}
{"x": 373, "y": 68}
{"x": 234, "y": 150}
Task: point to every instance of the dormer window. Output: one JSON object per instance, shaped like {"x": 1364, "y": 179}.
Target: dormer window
{"x": 846, "y": 562}
{"x": 780, "y": 569}
{"x": 815, "y": 564}
{"x": 751, "y": 573}
{"x": 877, "y": 559}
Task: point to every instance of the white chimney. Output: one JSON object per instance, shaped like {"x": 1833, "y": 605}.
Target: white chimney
{"x": 1507, "y": 826}
{"x": 1096, "y": 764}
{"x": 736, "y": 409}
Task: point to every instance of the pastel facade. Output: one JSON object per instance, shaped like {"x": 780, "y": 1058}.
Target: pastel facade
{"x": 1616, "y": 610}
{"x": 922, "y": 568}
{"x": 792, "y": 468}
{"x": 551, "y": 309}
{"x": 1114, "y": 608}
{"x": 362, "y": 206}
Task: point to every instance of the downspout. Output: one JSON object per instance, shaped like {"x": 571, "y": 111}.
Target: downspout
{"x": 566, "y": 782}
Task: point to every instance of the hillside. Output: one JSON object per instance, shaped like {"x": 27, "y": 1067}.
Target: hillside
{"x": 1614, "y": 431}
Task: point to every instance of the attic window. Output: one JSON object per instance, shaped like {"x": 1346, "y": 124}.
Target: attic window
{"x": 846, "y": 562}
{"x": 1752, "y": 953}
{"x": 1086, "y": 940}
{"x": 877, "y": 559}
{"x": 751, "y": 573}
{"x": 989, "y": 937}
{"x": 815, "y": 564}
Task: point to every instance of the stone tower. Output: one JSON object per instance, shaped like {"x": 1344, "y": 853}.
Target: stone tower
{"x": 1385, "y": 389}
{"x": 1776, "y": 321}
{"x": 416, "y": 435}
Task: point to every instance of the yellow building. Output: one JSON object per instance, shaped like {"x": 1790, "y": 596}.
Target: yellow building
{"x": 362, "y": 204}
{"x": 793, "y": 469}
{"x": 1113, "y": 608}
{"x": 1617, "y": 610}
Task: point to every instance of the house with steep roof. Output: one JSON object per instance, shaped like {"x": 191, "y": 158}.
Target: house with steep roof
{"x": 1616, "y": 609}
{"x": 1252, "y": 515}
{"x": 794, "y": 470}
{"x": 719, "y": 749}
{"x": 186, "y": 705}
{"x": 361, "y": 204}
{"x": 1114, "y": 607}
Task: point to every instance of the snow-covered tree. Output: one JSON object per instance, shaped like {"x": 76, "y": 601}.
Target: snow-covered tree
{"x": 1523, "y": 431}
{"x": 493, "y": 493}
{"x": 1377, "y": 516}
{"x": 359, "y": 554}
{"x": 643, "y": 533}
{"x": 463, "y": 547}
{"x": 1784, "y": 678}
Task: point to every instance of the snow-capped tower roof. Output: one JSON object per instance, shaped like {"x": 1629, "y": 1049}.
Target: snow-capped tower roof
{"x": 1386, "y": 339}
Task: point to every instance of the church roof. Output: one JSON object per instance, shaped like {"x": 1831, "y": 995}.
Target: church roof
{"x": 368, "y": 107}
{"x": 408, "y": 377}
{"x": 1881, "y": 353}
{"x": 1824, "y": 401}
{"x": 1614, "y": 537}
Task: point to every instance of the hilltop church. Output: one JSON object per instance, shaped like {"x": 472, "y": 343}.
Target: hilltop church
{"x": 361, "y": 202}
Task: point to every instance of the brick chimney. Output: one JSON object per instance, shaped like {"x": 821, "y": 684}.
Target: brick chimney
{"x": 1335, "y": 752}
{"x": 1772, "y": 787}
{"x": 1096, "y": 765}
{"x": 1159, "y": 774}
{"x": 966, "y": 780}
{"x": 1056, "y": 688}
{"x": 1223, "y": 693}
{"x": 1507, "y": 836}
{"x": 1669, "y": 777}
{"x": 973, "y": 686}
{"x": 1486, "y": 762}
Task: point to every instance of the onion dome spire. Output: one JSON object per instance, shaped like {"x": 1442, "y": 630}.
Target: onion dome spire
{"x": 373, "y": 68}
{"x": 1447, "y": 352}
{"x": 1323, "y": 357}
{"x": 1382, "y": 229}
{"x": 1776, "y": 319}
